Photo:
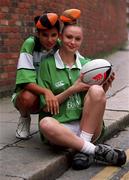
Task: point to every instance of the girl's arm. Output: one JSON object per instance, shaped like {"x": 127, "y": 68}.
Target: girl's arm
{"x": 52, "y": 104}
{"x": 77, "y": 87}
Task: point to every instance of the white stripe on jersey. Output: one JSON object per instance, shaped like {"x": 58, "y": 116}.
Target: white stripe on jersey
{"x": 25, "y": 61}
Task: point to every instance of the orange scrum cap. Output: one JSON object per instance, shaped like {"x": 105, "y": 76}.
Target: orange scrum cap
{"x": 47, "y": 21}
{"x": 70, "y": 15}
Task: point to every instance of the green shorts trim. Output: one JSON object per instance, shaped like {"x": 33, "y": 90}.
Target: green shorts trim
{"x": 14, "y": 97}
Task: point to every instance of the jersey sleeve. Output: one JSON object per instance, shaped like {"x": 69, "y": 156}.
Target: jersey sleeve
{"x": 25, "y": 69}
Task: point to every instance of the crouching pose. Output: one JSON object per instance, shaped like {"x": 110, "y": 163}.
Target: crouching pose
{"x": 79, "y": 123}
{"x": 26, "y": 95}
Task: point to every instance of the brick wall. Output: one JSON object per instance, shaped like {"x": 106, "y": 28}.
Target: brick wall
{"x": 104, "y": 28}
{"x": 127, "y": 11}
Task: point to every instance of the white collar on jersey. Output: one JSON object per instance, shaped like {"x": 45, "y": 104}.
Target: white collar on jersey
{"x": 60, "y": 64}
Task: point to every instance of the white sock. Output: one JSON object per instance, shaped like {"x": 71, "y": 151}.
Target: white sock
{"x": 86, "y": 136}
{"x": 88, "y": 148}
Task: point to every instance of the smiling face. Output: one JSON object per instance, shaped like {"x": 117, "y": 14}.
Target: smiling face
{"x": 72, "y": 37}
{"x": 48, "y": 38}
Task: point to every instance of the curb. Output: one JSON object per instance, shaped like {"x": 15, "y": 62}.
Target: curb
{"x": 53, "y": 170}
{"x": 115, "y": 127}
{"x": 62, "y": 163}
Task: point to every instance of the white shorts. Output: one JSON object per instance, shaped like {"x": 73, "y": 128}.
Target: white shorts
{"x": 74, "y": 126}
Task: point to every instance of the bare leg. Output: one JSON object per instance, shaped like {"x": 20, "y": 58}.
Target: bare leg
{"x": 27, "y": 103}
{"x": 91, "y": 121}
{"x": 56, "y": 133}
{"x": 93, "y": 111}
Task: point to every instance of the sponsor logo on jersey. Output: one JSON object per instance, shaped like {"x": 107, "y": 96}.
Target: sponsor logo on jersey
{"x": 59, "y": 84}
{"x": 74, "y": 102}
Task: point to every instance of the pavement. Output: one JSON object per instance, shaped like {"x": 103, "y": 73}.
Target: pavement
{"x": 31, "y": 159}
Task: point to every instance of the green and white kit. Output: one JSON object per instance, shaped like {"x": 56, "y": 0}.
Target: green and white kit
{"x": 30, "y": 56}
{"x": 58, "y": 77}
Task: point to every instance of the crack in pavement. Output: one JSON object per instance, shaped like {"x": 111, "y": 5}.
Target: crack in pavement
{"x": 112, "y": 95}
{"x": 117, "y": 110}
{"x": 15, "y": 142}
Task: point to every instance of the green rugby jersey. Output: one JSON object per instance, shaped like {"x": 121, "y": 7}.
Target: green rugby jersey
{"x": 57, "y": 77}
{"x": 30, "y": 56}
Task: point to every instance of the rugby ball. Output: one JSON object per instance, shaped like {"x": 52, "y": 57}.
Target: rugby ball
{"x": 96, "y": 71}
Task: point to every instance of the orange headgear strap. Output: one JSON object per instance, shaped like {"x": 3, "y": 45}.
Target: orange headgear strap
{"x": 47, "y": 21}
{"x": 70, "y": 15}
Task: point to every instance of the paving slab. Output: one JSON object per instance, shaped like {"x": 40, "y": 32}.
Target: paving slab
{"x": 26, "y": 159}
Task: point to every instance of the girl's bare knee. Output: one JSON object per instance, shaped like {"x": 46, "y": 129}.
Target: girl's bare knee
{"x": 27, "y": 99}
{"x": 47, "y": 124}
{"x": 97, "y": 93}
